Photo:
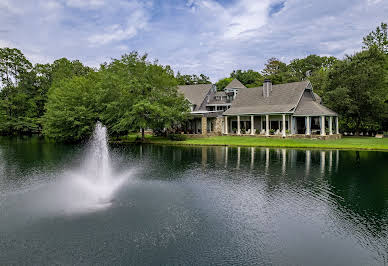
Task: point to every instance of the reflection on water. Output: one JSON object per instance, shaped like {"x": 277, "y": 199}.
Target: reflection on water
{"x": 205, "y": 205}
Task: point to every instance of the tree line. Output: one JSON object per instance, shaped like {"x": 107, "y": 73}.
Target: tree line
{"x": 63, "y": 100}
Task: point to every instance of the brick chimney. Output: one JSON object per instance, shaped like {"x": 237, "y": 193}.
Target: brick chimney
{"x": 267, "y": 88}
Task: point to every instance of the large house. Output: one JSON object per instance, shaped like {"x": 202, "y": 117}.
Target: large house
{"x": 291, "y": 109}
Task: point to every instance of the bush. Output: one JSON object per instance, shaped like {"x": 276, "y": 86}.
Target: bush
{"x": 257, "y": 131}
{"x": 272, "y": 131}
{"x": 177, "y": 137}
{"x": 243, "y": 131}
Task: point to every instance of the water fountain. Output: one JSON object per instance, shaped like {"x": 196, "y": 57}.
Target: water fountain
{"x": 87, "y": 188}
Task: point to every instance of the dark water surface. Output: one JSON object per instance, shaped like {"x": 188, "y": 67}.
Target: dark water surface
{"x": 196, "y": 205}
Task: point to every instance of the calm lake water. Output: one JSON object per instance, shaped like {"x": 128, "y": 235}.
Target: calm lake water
{"x": 194, "y": 205}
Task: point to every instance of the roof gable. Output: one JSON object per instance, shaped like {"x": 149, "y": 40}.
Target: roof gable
{"x": 235, "y": 84}
{"x": 195, "y": 94}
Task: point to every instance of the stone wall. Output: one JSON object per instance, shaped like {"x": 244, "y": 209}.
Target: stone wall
{"x": 204, "y": 125}
{"x": 218, "y": 125}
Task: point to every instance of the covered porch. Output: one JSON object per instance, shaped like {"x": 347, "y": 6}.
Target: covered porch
{"x": 280, "y": 125}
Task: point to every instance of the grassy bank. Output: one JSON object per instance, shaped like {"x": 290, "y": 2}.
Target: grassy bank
{"x": 354, "y": 143}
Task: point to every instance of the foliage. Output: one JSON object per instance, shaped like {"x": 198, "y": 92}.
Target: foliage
{"x": 357, "y": 88}
{"x": 192, "y": 79}
{"x": 72, "y": 108}
{"x": 378, "y": 38}
{"x": 249, "y": 78}
{"x": 222, "y": 83}
{"x": 139, "y": 94}
{"x": 13, "y": 66}
{"x": 177, "y": 137}
{"x": 278, "y": 72}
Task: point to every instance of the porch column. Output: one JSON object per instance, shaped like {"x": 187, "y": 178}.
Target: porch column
{"x": 336, "y": 125}
{"x": 291, "y": 125}
{"x": 204, "y": 125}
{"x": 252, "y": 125}
{"x": 284, "y": 125}
{"x": 323, "y": 126}
{"x": 238, "y": 125}
{"x": 330, "y": 125}
{"x": 308, "y": 129}
{"x": 226, "y": 125}
{"x": 267, "y": 125}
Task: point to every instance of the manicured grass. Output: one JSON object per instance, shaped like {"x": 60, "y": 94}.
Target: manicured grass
{"x": 354, "y": 143}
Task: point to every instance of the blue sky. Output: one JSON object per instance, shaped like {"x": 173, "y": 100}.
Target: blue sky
{"x": 193, "y": 36}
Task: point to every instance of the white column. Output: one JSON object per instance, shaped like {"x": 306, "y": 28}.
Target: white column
{"x": 238, "y": 125}
{"x": 330, "y": 125}
{"x": 284, "y": 125}
{"x": 323, "y": 129}
{"x": 336, "y": 125}
{"x": 267, "y": 125}
{"x": 226, "y": 125}
{"x": 252, "y": 125}
{"x": 308, "y": 129}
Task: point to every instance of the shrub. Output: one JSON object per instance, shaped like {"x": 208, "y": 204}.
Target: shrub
{"x": 272, "y": 131}
{"x": 257, "y": 131}
{"x": 243, "y": 131}
{"x": 177, "y": 137}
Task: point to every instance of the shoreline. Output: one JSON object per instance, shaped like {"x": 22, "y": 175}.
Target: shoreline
{"x": 376, "y": 144}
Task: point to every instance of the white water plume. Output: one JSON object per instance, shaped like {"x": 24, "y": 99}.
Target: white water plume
{"x": 89, "y": 188}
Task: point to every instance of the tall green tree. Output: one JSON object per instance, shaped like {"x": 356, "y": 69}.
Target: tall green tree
{"x": 192, "y": 79}
{"x": 145, "y": 95}
{"x": 278, "y": 72}
{"x": 222, "y": 83}
{"x": 357, "y": 89}
{"x": 249, "y": 78}
{"x": 72, "y": 108}
{"x": 378, "y": 38}
{"x": 13, "y": 65}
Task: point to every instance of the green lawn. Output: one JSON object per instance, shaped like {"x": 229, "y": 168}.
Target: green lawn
{"x": 355, "y": 143}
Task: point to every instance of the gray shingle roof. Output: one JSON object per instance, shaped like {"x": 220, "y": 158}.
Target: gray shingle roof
{"x": 283, "y": 98}
{"x": 235, "y": 84}
{"x": 195, "y": 94}
{"x": 307, "y": 106}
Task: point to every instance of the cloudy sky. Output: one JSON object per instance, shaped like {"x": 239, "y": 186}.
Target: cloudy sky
{"x": 194, "y": 36}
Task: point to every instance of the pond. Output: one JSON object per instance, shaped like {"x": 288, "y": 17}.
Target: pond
{"x": 191, "y": 205}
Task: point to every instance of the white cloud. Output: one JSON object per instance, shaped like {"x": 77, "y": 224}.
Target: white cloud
{"x": 193, "y": 36}
{"x": 137, "y": 21}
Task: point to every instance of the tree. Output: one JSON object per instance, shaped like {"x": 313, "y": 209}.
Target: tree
{"x": 377, "y": 38}
{"x": 222, "y": 83}
{"x": 357, "y": 88}
{"x": 139, "y": 94}
{"x": 192, "y": 79}
{"x": 13, "y": 65}
{"x": 72, "y": 108}
{"x": 249, "y": 78}
{"x": 305, "y": 67}
{"x": 277, "y": 72}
